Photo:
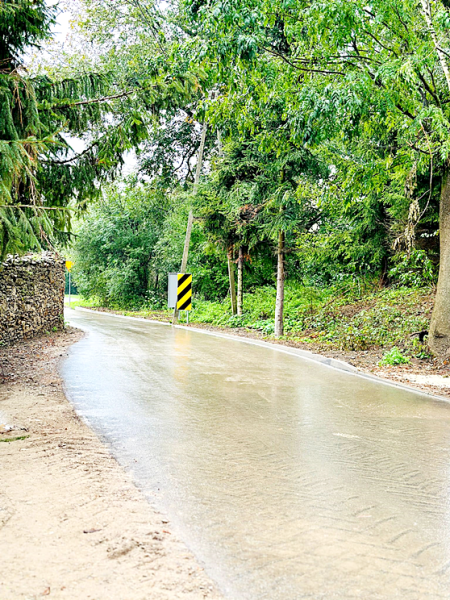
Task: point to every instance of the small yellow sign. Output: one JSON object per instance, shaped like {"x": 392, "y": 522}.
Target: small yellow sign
{"x": 69, "y": 265}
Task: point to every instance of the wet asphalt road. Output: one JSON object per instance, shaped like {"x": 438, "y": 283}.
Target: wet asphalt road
{"x": 288, "y": 479}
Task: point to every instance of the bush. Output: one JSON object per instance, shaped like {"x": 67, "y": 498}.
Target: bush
{"x": 413, "y": 270}
{"x": 346, "y": 318}
{"x": 115, "y": 245}
{"x": 394, "y": 357}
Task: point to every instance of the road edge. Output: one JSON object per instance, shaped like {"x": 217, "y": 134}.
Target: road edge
{"x": 326, "y": 361}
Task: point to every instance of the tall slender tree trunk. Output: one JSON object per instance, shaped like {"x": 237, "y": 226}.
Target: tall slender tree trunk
{"x": 231, "y": 277}
{"x": 279, "y": 306}
{"x": 439, "y": 335}
{"x": 240, "y": 289}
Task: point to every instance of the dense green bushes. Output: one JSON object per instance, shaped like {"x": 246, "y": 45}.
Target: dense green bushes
{"x": 115, "y": 247}
{"x": 134, "y": 236}
{"x": 349, "y": 321}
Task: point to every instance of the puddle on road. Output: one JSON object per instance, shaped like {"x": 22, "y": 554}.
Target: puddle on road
{"x": 288, "y": 479}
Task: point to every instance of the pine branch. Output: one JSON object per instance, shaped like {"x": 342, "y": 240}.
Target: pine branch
{"x": 68, "y": 160}
{"x": 36, "y": 207}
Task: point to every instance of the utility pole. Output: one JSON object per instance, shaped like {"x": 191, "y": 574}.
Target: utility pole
{"x": 191, "y": 214}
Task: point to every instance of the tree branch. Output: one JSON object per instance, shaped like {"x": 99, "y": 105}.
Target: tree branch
{"x": 64, "y": 162}
{"x": 96, "y": 100}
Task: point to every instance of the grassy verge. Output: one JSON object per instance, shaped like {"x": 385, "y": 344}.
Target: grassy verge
{"x": 328, "y": 318}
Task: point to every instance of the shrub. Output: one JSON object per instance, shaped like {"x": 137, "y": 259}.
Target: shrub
{"x": 413, "y": 270}
{"x": 394, "y": 357}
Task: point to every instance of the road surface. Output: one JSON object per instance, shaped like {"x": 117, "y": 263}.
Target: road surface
{"x": 287, "y": 478}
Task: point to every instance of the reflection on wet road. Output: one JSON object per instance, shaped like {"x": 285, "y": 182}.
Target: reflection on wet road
{"x": 287, "y": 478}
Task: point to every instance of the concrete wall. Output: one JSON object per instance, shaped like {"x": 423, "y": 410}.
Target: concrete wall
{"x": 31, "y": 296}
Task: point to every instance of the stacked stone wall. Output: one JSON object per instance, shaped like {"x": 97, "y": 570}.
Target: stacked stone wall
{"x": 31, "y": 296}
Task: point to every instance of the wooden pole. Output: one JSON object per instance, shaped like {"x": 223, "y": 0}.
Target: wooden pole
{"x": 191, "y": 214}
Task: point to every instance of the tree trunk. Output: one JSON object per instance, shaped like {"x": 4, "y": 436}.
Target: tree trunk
{"x": 439, "y": 335}
{"x": 384, "y": 280}
{"x": 426, "y": 10}
{"x": 231, "y": 277}
{"x": 240, "y": 281}
{"x": 280, "y": 287}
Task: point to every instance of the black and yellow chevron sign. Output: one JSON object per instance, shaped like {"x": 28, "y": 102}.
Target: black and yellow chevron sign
{"x": 184, "y": 291}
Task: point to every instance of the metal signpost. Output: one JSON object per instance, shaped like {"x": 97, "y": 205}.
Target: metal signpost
{"x": 69, "y": 265}
{"x": 180, "y": 292}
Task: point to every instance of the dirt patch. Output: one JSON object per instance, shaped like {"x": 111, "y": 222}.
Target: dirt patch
{"x": 72, "y": 524}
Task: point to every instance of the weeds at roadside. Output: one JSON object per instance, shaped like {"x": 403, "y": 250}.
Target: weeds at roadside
{"x": 349, "y": 318}
{"x": 394, "y": 357}
{"x": 15, "y": 439}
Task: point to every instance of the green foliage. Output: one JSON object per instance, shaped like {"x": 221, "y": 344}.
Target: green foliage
{"x": 413, "y": 270}
{"x": 334, "y": 126}
{"x": 341, "y": 317}
{"x": 73, "y": 287}
{"x": 23, "y": 25}
{"x": 132, "y": 239}
{"x": 419, "y": 349}
{"x": 394, "y": 357}
{"x": 116, "y": 243}
{"x": 112, "y": 107}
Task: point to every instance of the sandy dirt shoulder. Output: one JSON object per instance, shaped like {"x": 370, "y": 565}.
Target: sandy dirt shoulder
{"x": 72, "y": 524}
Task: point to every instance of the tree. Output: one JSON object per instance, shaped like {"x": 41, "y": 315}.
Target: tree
{"x": 42, "y": 179}
{"x": 252, "y": 201}
{"x": 23, "y": 24}
{"x": 115, "y": 247}
{"x": 345, "y": 73}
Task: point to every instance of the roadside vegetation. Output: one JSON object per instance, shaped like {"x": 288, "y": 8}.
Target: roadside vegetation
{"x": 393, "y": 319}
{"x": 126, "y": 245}
{"x": 308, "y": 141}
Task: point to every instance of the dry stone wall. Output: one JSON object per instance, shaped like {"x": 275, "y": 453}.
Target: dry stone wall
{"x": 31, "y": 296}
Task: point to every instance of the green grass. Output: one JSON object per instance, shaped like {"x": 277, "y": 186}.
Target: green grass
{"x": 73, "y": 300}
{"x": 147, "y": 313}
{"x": 14, "y": 439}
